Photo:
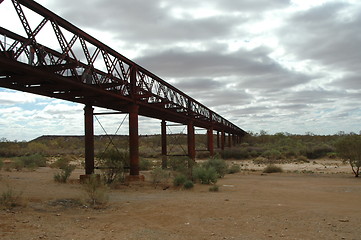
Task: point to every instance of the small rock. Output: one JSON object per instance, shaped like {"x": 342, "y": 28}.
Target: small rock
{"x": 343, "y": 220}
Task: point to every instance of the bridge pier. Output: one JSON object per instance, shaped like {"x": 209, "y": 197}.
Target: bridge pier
{"x": 223, "y": 140}
{"x": 133, "y": 140}
{"x": 89, "y": 139}
{"x": 164, "y": 144}
{"x": 229, "y": 140}
{"x": 210, "y": 142}
{"x": 191, "y": 141}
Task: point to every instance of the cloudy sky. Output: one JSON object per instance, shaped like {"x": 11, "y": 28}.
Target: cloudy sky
{"x": 274, "y": 65}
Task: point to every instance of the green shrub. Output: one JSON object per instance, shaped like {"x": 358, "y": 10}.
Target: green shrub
{"x": 218, "y": 164}
{"x": 64, "y": 174}
{"x": 302, "y": 159}
{"x": 179, "y": 180}
{"x": 349, "y": 149}
{"x": 160, "y": 176}
{"x": 1, "y": 164}
{"x": 62, "y": 162}
{"x": 18, "y": 165}
{"x": 332, "y": 155}
{"x": 112, "y": 164}
{"x": 179, "y": 164}
{"x": 205, "y": 175}
{"x": 234, "y": 168}
{"x": 261, "y": 160}
{"x": 214, "y": 188}
{"x": 145, "y": 164}
{"x": 34, "y": 160}
{"x": 272, "y": 154}
{"x": 319, "y": 151}
{"x": 96, "y": 191}
{"x": 10, "y": 199}
{"x": 272, "y": 169}
{"x": 188, "y": 184}
{"x": 235, "y": 153}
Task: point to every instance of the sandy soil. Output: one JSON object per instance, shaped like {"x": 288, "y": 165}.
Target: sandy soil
{"x": 321, "y": 202}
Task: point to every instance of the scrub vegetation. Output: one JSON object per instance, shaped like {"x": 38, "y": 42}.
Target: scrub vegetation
{"x": 112, "y": 157}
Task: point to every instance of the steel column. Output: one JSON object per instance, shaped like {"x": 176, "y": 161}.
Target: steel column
{"x": 164, "y": 144}
{"x": 218, "y": 145}
{"x": 223, "y": 139}
{"x": 229, "y": 140}
{"x": 210, "y": 141}
{"x": 191, "y": 141}
{"x": 89, "y": 139}
{"x": 133, "y": 140}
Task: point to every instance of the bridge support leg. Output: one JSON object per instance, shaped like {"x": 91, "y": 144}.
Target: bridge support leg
{"x": 134, "y": 143}
{"x": 89, "y": 139}
{"x": 164, "y": 144}
{"x": 218, "y": 145}
{"x": 210, "y": 142}
{"x": 191, "y": 142}
{"x": 229, "y": 140}
{"x": 223, "y": 140}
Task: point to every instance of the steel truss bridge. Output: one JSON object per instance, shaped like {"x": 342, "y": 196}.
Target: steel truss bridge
{"x": 81, "y": 69}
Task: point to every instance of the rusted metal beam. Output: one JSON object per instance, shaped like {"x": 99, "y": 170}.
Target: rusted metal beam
{"x": 223, "y": 139}
{"x": 191, "y": 141}
{"x": 164, "y": 143}
{"x": 229, "y": 140}
{"x": 89, "y": 139}
{"x": 210, "y": 142}
{"x": 133, "y": 140}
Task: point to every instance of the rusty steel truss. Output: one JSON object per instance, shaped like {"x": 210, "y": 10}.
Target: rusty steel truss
{"x": 80, "y": 68}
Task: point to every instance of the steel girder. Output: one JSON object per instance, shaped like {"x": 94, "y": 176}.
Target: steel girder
{"x": 82, "y": 69}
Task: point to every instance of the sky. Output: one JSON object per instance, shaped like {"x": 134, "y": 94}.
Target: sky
{"x": 278, "y": 66}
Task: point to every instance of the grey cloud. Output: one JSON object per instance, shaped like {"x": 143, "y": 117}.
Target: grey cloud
{"x": 146, "y": 21}
{"x": 197, "y": 84}
{"x": 320, "y": 96}
{"x": 328, "y": 34}
{"x": 250, "y": 69}
{"x": 350, "y": 81}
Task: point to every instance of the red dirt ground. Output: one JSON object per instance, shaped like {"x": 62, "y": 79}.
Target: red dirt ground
{"x": 249, "y": 205}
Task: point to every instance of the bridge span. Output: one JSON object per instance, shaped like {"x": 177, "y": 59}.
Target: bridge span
{"x": 84, "y": 70}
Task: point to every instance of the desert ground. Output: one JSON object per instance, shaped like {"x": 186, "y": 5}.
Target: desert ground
{"x": 316, "y": 200}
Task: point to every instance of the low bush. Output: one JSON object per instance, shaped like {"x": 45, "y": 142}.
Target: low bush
{"x": 302, "y": 159}
{"x": 272, "y": 154}
{"x": 112, "y": 164}
{"x": 319, "y": 151}
{"x": 18, "y": 165}
{"x": 214, "y": 188}
{"x": 188, "y": 184}
{"x": 145, "y": 164}
{"x": 218, "y": 164}
{"x": 205, "y": 175}
{"x": 261, "y": 160}
{"x": 10, "y": 199}
{"x": 33, "y": 161}
{"x": 235, "y": 153}
{"x": 234, "y": 168}
{"x": 179, "y": 180}
{"x": 179, "y": 164}
{"x": 64, "y": 174}
{"x": 65, "y": 167}
{"x": 96, "y": 191}
{"x": 272, "y": 169}
{"x": 1, "y": 164}
{"x": 160, "y": 177}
